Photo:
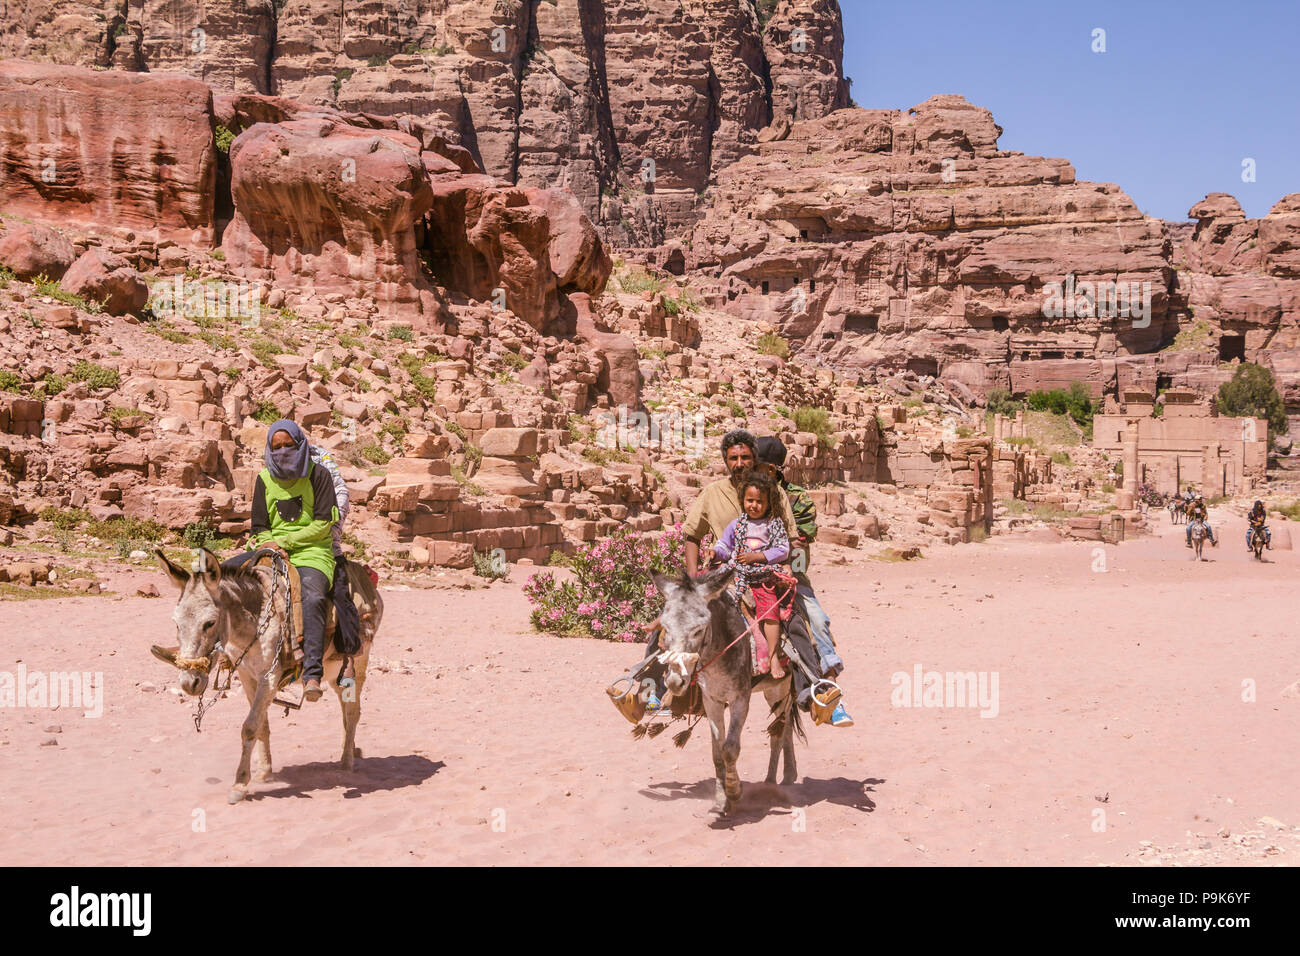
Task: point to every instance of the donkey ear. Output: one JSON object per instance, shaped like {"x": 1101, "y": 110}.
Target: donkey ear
{"x": 712, "y": 585}
{"x": 662, "y": 582}
{"x": 180, "y": 576}
{"x": 209, "y": 566}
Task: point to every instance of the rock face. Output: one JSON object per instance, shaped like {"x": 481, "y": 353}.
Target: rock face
{"x": 572, "y": 94}
{"x": 108, "y": 150}
{"x": 891, "y": 240}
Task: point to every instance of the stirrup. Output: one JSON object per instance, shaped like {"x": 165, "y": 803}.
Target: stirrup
{"x": 289, "y": 676}
{"x": 822, "y": 702}
{"x": 628, "y": 702}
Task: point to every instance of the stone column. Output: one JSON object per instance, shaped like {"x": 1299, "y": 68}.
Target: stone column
{"x": 1020, "y": 424}
{"x": 1126, "y": 494}
{"x": 1211, "y": 471}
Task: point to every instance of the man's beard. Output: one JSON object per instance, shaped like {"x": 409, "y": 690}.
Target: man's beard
{"x": 738, "y": 472}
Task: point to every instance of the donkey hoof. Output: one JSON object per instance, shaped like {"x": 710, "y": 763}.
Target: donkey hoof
{"x": 262, "y": 776}
{"x": 789, "y": 780}
{"x": 236, "y": 795}
{"x": 771, "y": 778}
{"x": 356, "y": 751}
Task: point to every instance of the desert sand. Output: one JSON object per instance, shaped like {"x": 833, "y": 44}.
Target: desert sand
{"x": 1120, "y": 690}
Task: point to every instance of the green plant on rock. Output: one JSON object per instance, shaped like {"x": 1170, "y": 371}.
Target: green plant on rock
{"x": 95, "y": 376}
{"x": 769, "y": 343}
{"x": 817, "y": 421}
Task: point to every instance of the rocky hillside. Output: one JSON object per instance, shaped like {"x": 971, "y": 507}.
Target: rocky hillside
{"x": 887, "y": 239}
{"x": 631, "y": 105}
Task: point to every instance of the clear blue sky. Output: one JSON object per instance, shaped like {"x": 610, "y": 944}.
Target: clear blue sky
{"x": 1184, "y": 92}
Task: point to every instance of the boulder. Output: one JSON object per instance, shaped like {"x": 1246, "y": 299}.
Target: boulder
{"x": 108, "y": 278}
{"x": 620, "y": 363}
{"x": 28, "y": 249}
{"x": 321, "y": 205}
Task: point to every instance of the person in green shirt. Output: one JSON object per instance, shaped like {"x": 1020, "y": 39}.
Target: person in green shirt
{"x": 294, "y": 513}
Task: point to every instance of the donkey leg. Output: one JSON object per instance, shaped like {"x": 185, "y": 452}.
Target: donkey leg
{"x": 791, "y": 767}
{"x": 775, "y": 740}
{"x": 731, "y": 749}
{"x": 253, "y": 723}
{"x": 715, "y": 711}
{"x": 262, "y": 748}
{"x": 350, "y": 703}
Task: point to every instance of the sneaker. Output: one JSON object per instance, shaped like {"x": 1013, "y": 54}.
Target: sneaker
{"x": 312, "y": 690}
{"x": 654, "y": 703}
{"x": 841, "y": 718}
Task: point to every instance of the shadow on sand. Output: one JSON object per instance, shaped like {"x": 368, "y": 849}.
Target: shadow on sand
{"x": 757, "y": 800}
{"x": 372, "y": 774}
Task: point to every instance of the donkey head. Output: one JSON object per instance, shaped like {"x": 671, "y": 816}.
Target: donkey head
{"x": 685, "y": 621}
{"x": 198, "y": 616}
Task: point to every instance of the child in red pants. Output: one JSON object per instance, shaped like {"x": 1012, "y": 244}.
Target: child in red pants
{"x": 754, "y": 545}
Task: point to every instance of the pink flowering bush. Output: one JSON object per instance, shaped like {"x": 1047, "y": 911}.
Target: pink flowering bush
{"x": 612, "y": 593}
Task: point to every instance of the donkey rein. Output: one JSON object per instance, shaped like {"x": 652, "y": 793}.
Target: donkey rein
{"x": 752, "y": 628}
{"x": 279, "y": 572}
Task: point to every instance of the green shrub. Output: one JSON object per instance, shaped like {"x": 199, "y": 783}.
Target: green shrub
{"x": 96, "y": 376}
{"x": 265, "y": 351}
{"x": 772, "y": 344}
{"x": 1290, "y": 510}
{"x": 374, "y": 452}
{"x": 224, "y": 137}
{"x": 1000, "y": 402}
{"x": 515, "y": 361}
{"x": 65, "y": 519}
{"x": 49, "y": 287}
{"x": 683, "y": 302}
{"x": 1252, "y": 393}
{"x": 639, "y": 280}
{"x": 1061, "y": 457}
{"x": 266, "y": 412}
{"x": 1074, "y": 401}
{"x": 490, "y": 566}
{"x": 402, "y": 333}
{"x": 9, "y": 381}
{"x": 200, "y": 534}
{"x": 817, "y": 421}
{"x": 359, "y": 550}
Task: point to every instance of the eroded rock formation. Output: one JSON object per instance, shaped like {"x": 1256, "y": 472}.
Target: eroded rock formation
{"x": 573, "y": 94}
{"x": 888, "y": 239}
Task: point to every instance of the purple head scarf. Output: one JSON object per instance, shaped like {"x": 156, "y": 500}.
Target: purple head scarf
{"x": 288, "y": 463}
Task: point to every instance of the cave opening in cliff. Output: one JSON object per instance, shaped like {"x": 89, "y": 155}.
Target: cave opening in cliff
{"x": 864, "y": 324}
{"x": 1232, "y": 347}
{"x": 1001, "y": 323}
{"x": 923, "y": 366}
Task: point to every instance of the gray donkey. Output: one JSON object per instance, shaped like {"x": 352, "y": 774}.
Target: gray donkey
{"x": 699, "y": 620}
{"x": 227, "y": 605}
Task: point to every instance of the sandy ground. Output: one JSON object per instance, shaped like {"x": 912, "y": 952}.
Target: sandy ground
{"x": 1121, "y": 736}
